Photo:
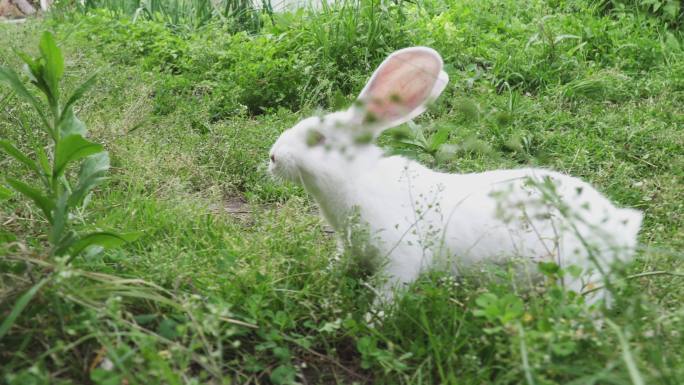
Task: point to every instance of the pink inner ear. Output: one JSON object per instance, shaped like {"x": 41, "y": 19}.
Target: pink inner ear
{"x": 402, "y": 84}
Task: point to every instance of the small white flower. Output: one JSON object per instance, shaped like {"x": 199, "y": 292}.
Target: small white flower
{"x": 107, "y": 364}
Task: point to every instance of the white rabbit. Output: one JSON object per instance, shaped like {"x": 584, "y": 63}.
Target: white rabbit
{"x": 419, "y": 219}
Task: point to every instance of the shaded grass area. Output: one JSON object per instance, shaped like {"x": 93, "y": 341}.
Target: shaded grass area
{"x": 188, "y": 118}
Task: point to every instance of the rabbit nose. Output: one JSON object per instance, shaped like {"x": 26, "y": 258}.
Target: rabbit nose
{"x": 272, "y": 158}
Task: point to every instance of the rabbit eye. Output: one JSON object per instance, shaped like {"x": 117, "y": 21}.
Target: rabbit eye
{"x": 314, "y": 138}
{"x": 272, "y": 158}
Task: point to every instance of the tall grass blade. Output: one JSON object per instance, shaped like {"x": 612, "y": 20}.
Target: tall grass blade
{"x": 5, "y": 193}
{"x": 10, "y": 77}
{"x": 103, "y": 239}
{"x": 20, "y": 305}
{"x": 18, "y": 155}
{"x": 44, "y": 203}
{"x": 634, "y": 373}
{"x": 80, "y": 91}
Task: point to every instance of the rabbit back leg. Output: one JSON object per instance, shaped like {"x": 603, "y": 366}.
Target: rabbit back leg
{"x": 402, "y": 267}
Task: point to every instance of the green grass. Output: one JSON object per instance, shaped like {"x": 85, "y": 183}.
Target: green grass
{"x": 238, "y": 15}
{"x": 216, "y": 296}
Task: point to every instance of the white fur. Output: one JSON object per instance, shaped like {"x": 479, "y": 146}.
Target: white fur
{"x": 420, "y": 219}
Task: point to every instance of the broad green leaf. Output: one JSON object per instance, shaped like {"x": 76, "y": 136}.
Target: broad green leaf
{"x": 43, "y": 202}
{"x": 5, "y": 193}
{"x": 10, "y": 77}
{"x": 513, "y": 308}
{"x": 487, "y": 304}
{"x": 33, "y": 65}
{"x": 65, "y": 243}
{"x": 168, "y": 328}
{"x": 104, "y": 239}
{"x": 143, "y": 319}
{"x": 35, "y": 69}
{"x": 419, "y": 145}
{"x": 72, "y": 148}
{"x": 20, "y": 305}
{"x": 43, "y": 160}
{"x": 80, "y": 91}
{"x": 401, "y": 132}
{"x": 54, "y": 63}
{"x": 439, "y": 138}
{"x": 283, "y": 374}
{"x": 70, "y": 124}
{"x": 18, "y": 155}
{"x": 92, "y": 252}
{"x": 549, "y": 268}
{"x": 93, "y": 172}
{"x": 59, "y": 218}
{"x": 486, "y": 300}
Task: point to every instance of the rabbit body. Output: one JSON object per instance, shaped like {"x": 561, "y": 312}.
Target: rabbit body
{"x": 419, "y": 219}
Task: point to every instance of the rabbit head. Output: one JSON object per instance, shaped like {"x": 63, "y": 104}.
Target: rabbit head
{"x": 398, "y": 91}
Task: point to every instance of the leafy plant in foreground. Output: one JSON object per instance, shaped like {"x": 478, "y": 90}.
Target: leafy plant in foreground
{"x": 411, "y": 140}
{"x": 57, "y": 193}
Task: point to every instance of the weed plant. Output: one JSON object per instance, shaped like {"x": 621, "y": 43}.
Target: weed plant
{"x": 177, "y": 14}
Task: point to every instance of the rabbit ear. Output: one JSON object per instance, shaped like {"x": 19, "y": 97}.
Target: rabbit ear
{"x": 401, "y": 87}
